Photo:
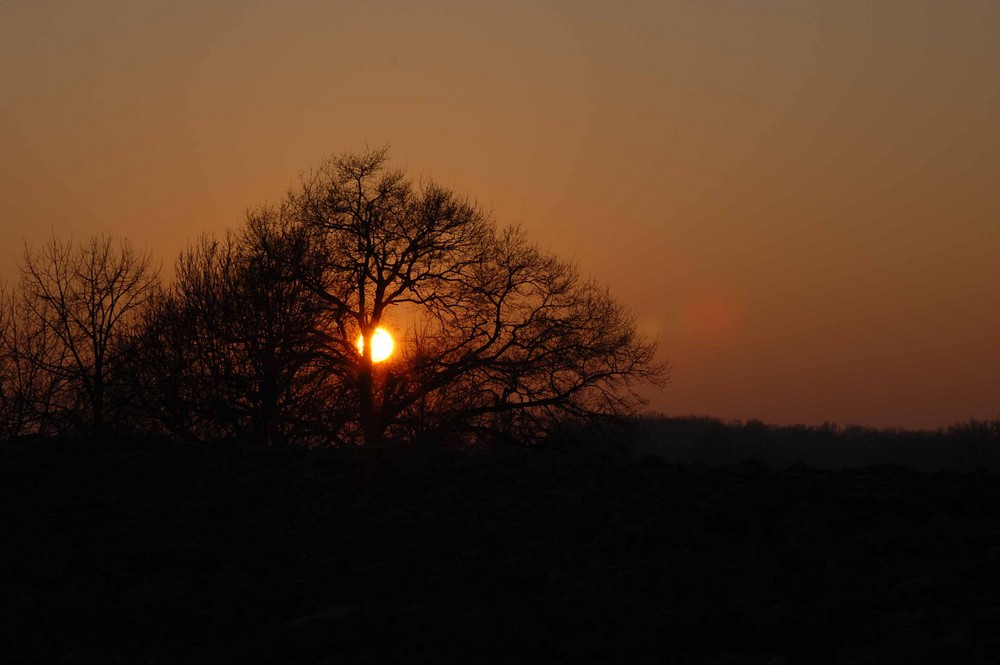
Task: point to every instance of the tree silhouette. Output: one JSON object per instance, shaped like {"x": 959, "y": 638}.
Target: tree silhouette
{"x": 256, "y": 336}
{"x": 499, "y": 337}
{"x": 74, "y": 325}
{"x": 232, "y": 346}
{"x": 26, "y": 391}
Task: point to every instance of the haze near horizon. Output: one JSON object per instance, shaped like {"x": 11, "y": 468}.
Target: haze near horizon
{"x": 797, "y": 198}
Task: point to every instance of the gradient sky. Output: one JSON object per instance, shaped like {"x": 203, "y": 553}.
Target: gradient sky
{"x": 800, "y": 199}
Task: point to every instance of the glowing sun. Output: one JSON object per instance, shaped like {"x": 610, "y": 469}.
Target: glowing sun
{"x": 381, "y": 345}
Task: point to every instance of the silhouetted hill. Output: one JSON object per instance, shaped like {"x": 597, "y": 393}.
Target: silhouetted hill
{"x": 156, "y": 552}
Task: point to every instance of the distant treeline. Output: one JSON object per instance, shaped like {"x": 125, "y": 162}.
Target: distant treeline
{"x": 691, "y": 439}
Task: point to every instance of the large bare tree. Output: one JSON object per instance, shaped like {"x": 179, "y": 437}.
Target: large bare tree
{"x": 84, "y": 300}
{"x": 496, "y": 335}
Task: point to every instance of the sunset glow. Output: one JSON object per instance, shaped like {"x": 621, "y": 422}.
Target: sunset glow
{"x": 797, "y": 199}
{"x": 382, "y": 345}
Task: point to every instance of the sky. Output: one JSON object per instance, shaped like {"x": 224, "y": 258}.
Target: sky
{"x": 799, "y": 199}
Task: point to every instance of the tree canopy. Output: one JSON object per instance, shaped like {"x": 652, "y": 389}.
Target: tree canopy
{"x": 266, "y": 333}
{"x": 497, "y": 335}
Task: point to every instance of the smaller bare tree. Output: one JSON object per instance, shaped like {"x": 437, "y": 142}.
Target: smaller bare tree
{"x": 25, "y": 390}
{"x": 84, "y": 300}
{"x": 235, "y": 347}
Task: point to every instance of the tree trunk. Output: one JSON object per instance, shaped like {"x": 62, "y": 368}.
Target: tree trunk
{"x": 372, "y": 422}
{"x": 97, "y": 410}
{"x": 97, "y": 428}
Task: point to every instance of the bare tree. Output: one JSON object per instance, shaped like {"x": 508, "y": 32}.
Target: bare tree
{"x": 84, "y": 300}
{"x": 234, "y": 347}
{"x": 26, "y": 392}
{"x": 501, "y": 337}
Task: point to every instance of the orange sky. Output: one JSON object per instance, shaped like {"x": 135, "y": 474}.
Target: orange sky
{"x": 799, "y": 198}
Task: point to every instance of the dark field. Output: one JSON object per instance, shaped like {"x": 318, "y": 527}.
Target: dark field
{"x": 154, "y": 552}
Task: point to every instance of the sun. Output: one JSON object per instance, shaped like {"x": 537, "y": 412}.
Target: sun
{"x": 382, "y": 345}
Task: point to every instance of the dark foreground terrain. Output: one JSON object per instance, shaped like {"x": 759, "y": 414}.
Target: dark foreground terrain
{"x": 148, "y": 552}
